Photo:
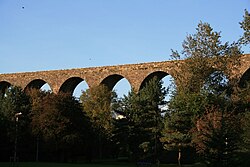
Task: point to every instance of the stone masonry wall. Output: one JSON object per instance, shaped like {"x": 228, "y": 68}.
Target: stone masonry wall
{"x": 134, "y": 73}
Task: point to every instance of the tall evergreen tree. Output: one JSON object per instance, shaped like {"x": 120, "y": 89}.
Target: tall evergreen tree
{"x": 144, "y": 118}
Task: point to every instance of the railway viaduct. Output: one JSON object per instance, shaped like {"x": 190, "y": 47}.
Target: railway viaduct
{"x": 136, "y": 74}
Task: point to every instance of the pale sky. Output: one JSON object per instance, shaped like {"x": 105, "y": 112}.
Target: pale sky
{"x": 38, "y": 35}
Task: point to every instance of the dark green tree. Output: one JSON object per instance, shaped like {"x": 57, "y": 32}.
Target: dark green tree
{"x": 5, "y": 143}
{"x": 241, "y": 100}
{"x": 245, "y": 25}
{"x": 179, "y": 120}
{"x": 15, "y": 108}
{"x": 145, "y": 120}
{"x": 97, "y": 102}
{"x": 245, "y": 145}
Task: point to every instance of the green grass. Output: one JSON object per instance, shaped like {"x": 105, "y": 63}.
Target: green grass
{"x": 41, "y": 164}
{"x": 34, "y": 164}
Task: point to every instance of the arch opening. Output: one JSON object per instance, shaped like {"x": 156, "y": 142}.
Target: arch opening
{"x": 120, "y": 85}
{"x": 82, "y": 86}
{"x": 245, "y": 79}
{"x": 112, "y": 80}
{"x": 46, "y": 87}
{"x": 70, "y": 85}
{"x": 38, "y": 84}
{"x": 4, "y": 86}
{"x": 122, "y": 88}
{"x": 158, "y": 74}
{"x": 167, "y": 83}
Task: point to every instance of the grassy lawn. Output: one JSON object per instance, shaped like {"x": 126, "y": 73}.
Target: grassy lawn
{"x": 34, "y": 164}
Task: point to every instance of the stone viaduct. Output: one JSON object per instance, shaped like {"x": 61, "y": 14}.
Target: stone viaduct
{"x": 136, "y": 74}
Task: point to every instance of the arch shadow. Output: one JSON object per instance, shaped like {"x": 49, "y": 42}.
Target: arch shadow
{"x": 35, "y": 84}
{"x": 111, "y": 80}
{"x": 3, "y": 86}
{"x": 158, "y": 74}
{"x": 70, "y": 84}
{"x": 245, "y": 79}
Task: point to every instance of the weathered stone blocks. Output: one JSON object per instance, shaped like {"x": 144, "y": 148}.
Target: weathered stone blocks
{"x": 109, "y": 75}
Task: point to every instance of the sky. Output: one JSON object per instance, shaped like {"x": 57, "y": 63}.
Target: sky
{"x": 38, "y": 35}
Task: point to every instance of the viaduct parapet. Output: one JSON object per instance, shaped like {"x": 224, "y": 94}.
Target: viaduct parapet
{"x": 136, "y": 74}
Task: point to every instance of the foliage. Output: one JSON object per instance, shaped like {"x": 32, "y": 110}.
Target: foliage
{"x": 144, "y": 119}
{"x": 201, "y": 83}
{"x": 4, "y": 135}
{"x": 217, "y": 136}
{"x": 246, "y": 129}
{"x": 175, "y": 135}
{"x": 98, "y": 102}
{"x": 14, "y": 127}
{"x": 54, "y": 118}
{"x": 14, "y": 101}
{"x": 205, "y": 54}
{"x": 242, "y": 103}
{"x": 58, "y": 119}
{"x": 178, "y": 122}
{"x": 36, "y": 98}
{"x": 245, "y": 25}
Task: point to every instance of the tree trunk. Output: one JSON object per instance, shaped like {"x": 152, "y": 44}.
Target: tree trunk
{"x": 37, "y": 148}
{"x": 179, "y": 157}
{"x": 100, "y": 147}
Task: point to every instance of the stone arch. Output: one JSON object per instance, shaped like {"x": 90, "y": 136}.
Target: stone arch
{"x": 70, "y": 84}
{"x": 35, "y": 84}
{"x": 3, "y": 86}
{"x": 245, "y": 78}
{"x": 111, "y": 80}
{"x": 158, "y": 74}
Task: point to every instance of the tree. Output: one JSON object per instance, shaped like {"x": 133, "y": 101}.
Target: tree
{"x": 4, "y": 138}
{"x": 97, "y": 103}
{"x": 16, "y": 129}
{"x": 144, "y": 120}
{"x": 37, "y": 99}
{"x": 58, "y": 119}
{"x": 204, "y": 54}
{"x": 245, "y": 145}
{"x": 179, "y": 120}
{"x": 216, "y": 136}
{"x": 241, "y": 100}
{"x": 154, "y": 96}
{"x": 201, "y": 82}
{"x": 245, "y": 25}
{"x": 14, "y": 101}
